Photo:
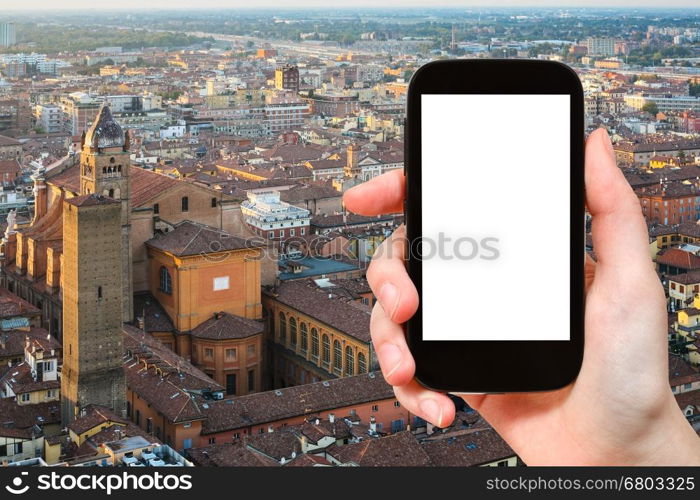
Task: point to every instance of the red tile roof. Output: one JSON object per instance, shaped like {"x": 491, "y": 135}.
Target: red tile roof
{"x": 681, "y": 259}
{"x": 145, "y": 185}
{"x": 227, "y": 326}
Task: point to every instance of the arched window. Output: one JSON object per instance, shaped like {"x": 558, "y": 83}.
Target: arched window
{"x": 337, "y": 356}
{"x": 349, "y": 361}
{"x": 304, "y": 338}
{"x": 111, "y": 192}
{"x": 314, "y": 343}
{"x": 361, "y": 363}
{"x": 166, "y": 283}
{"x": 293, "y": 331}
{"x": 283, "y": 328}
{"x": 326, "y": 350}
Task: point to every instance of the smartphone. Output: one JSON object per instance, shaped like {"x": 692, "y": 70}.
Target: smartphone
{"x": 495, "y": 224}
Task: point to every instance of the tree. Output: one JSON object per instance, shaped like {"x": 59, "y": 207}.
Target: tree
{"x": 651, "y": 108}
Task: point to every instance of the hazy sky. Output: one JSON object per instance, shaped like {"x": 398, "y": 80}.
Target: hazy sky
{"x": 169, "y": 4}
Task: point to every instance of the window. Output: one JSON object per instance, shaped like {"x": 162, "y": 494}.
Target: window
{"x": 251, "y": 350}
{"x": 221, "y": 283}
{"x": 375, "y": 407}
{"x": 111, "y": 192}
{"x": 212, "y": 440}
{"x": 208, "y": 352}
{"x": 361, "y": 363}
{"x": 291, "y": 232}
{"x": 156, "y": 208}
{"x": 185, "y": 203}
{"x": 138, "y": 417}
{"x": 283, "y": 329}
{"x": 214, "y": 202}
{"x": 166, "y": 284}
{"x": 251, "y": 380}
{"x": 304, "y": 338}
{"x": 349, "y": 361}
{"x": 231, "y": 383}
{"x": 314, "y": 343}
{"x": 99, "y": 292}
{"x": 50, "y": 393}
{"x": 397, "y": 404}
{"x": 26, "y": 397}
{"x": 337, "y": 356}
{"x": 149, "y": 425}
{"x": 231, "y": 354}
{"x": 326, "y": 350}
{"x": 293, "y": 332}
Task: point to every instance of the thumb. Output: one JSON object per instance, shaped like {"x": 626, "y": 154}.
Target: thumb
{"x": 619, "y": 232}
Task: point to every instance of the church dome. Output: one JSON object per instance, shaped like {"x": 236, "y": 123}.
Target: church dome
{"x": 105, "y": 132}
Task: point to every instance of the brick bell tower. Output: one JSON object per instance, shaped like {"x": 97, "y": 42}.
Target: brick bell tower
{"x": 96, "y": 273}
{"x": 104, "y": 169}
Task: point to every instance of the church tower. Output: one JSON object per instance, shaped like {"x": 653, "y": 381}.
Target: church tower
{"x": 104, "y": 169}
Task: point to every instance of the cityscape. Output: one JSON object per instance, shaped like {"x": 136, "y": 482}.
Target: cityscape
{"x": 180, "y": 282}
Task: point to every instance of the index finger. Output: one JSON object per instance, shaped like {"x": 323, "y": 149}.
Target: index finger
{"x": 382, "y": 195}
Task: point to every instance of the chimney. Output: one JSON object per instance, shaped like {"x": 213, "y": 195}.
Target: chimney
{"x": 331, "y": 418}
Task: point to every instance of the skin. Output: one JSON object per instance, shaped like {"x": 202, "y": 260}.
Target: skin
{"x": 620, "y": 410}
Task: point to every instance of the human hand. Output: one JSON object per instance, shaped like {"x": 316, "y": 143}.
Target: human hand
{"x": 620, "y": 410}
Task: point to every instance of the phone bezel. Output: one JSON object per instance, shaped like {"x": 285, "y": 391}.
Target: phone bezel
{"x": 502, "y": 365}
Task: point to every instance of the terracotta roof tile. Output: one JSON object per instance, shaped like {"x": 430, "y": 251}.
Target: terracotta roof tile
{"x": 191, "y": 238}
{"x": 227, "y": 326}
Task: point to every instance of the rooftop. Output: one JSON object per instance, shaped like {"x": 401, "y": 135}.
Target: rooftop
{"x": 336, "y": 310}
{"x": 191, "y": 238}
{"x": 227, "y": 326}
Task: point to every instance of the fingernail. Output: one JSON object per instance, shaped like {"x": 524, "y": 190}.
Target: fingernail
{"x": 389, "y": 299}
{"x": 390, "y": 355}
{"x": 432, "y": 412}
{"x": 608, "y": 143}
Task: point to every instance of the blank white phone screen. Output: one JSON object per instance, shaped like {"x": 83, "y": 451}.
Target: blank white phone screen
{"x": 496, "y": 208}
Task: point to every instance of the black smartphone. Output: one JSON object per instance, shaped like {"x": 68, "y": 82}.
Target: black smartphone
{"x": 495, "y": 224}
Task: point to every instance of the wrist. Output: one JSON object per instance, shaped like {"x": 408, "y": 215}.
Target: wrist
{"x": 672, "y": 440}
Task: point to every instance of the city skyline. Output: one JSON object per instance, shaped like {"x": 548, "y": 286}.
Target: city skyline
{"x": 49, "y": 5}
